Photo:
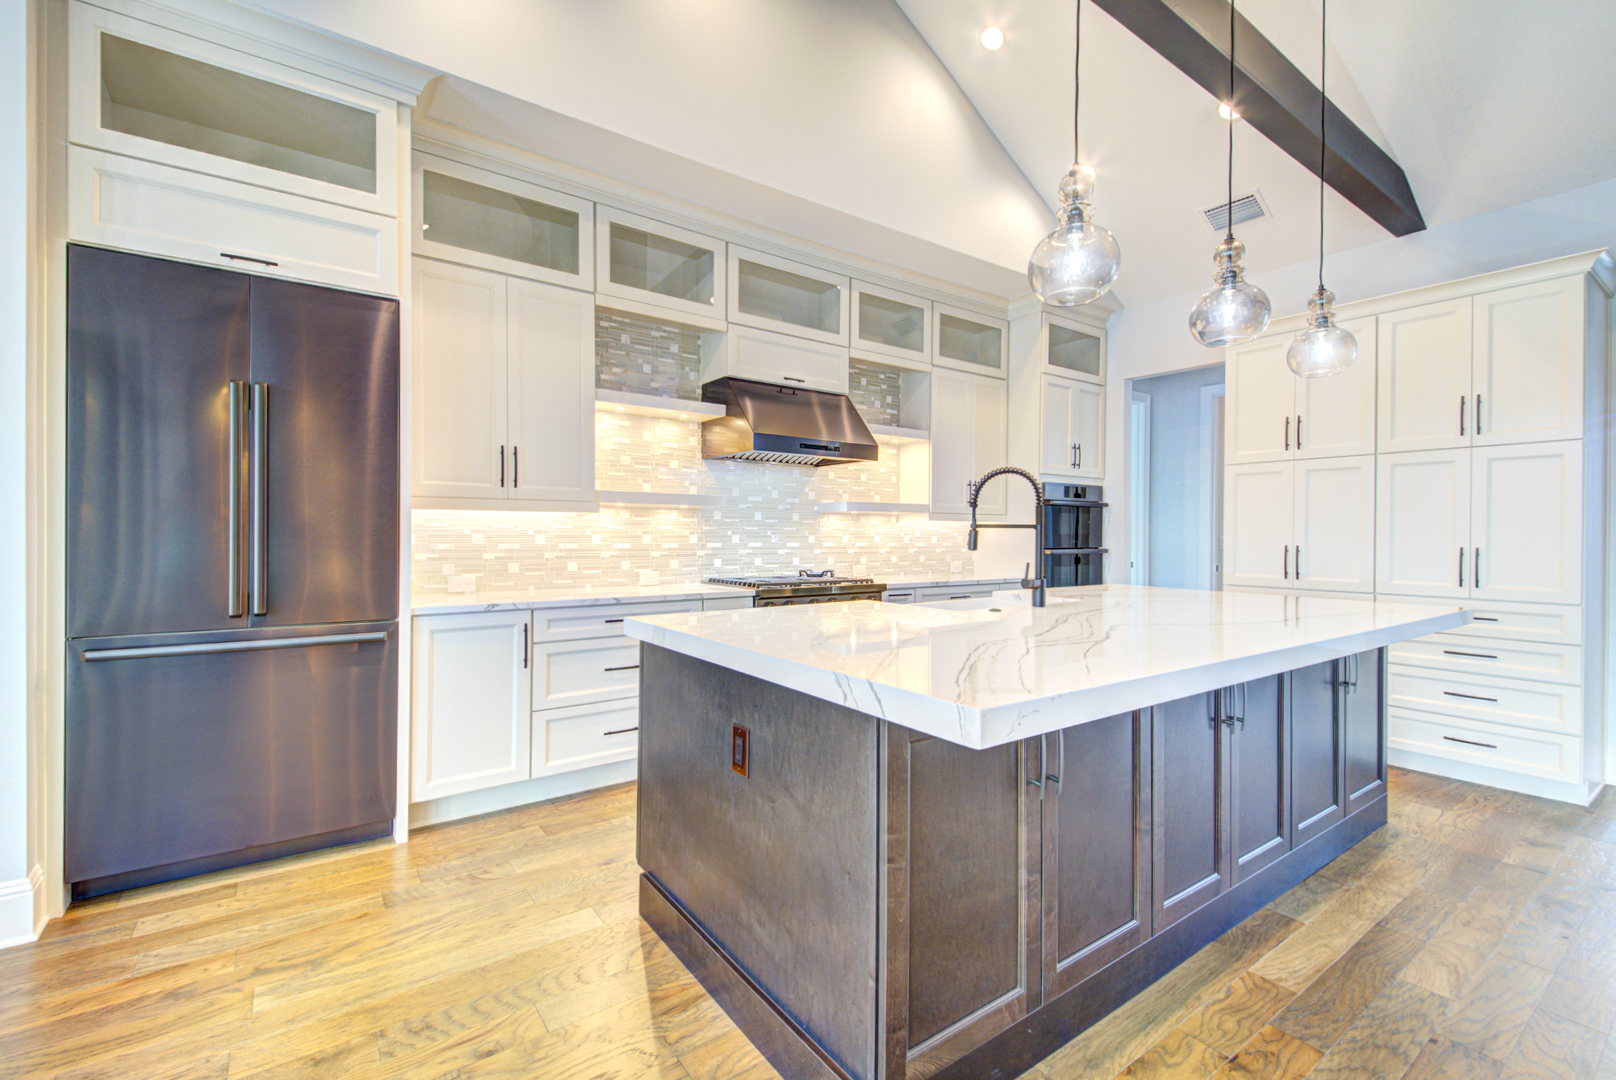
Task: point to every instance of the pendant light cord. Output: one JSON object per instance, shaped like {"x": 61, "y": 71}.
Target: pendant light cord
{"x": 1324, "y": 22}
{"x": 1229, "y": 208}
{"x": 1077, "y": 79}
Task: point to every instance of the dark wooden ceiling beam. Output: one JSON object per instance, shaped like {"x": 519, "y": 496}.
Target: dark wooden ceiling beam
{"x": 1275, "y": 98}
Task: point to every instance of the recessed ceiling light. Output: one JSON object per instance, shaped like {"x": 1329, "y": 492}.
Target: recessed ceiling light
{"x": 992, "y": 38}
{"x": 1226, "y": 112}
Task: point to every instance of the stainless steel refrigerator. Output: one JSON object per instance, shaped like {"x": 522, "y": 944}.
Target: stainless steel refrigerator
{"x": 232, "y": 568}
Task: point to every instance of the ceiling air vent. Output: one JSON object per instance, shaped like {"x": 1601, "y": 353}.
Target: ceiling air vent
{"x": 1246, "y": 208}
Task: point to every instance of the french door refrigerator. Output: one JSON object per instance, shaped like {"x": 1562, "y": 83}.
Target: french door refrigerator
{"x": 232, "y": 568}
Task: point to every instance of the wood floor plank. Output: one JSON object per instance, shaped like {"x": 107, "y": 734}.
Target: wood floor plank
{"x": 1314, "y": 947}
{"x": 1584, "y": 872}
{"x": 1387, "y": 1036}
{"x": 1541, "y": 934}
{"x": 1442, "y": 1059}
{"x": 1234, "y": 1016}
{"x": 1309, "y": 898}
{"x": 1272, "y": 1055}
{"x": 1554, "y": 1049}
{"x": 1458, "y": 874}
{"x": 1491, "y": 1012}
{"x": 151, "y": 1067}
{"x": 1179, "y": 1056}
{"x": 729, "y": 1056}
{"x": 1456, "y": 952}
{"x": 1421, "y": 914}
{"x": 1323, "y": 1012}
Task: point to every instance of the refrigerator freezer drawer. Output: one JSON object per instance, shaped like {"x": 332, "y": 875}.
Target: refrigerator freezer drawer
{"x": 189, "y": 746}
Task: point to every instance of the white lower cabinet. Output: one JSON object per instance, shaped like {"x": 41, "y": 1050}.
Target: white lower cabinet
{"x": 470, "y": 703}
{"x": 1535, "y": 754}
{"x": 579, "y": 736}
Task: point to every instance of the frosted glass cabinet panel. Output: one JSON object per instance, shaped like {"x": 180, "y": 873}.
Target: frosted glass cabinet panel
{"x": 971, "y": 342}
{"x": 1073, "y": 350}
{"x": 891, "y": 324}
{"x": 645, "y": 260}
{"x": 150, "y": 92}
{"x": 500, "y": 223}
{"x": 778, "y": 294}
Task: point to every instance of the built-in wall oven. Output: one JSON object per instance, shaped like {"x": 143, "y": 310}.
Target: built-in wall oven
{"x": 1074, "y": 544}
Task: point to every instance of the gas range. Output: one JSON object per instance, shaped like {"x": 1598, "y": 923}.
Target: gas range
{"x": 804, "y": 587}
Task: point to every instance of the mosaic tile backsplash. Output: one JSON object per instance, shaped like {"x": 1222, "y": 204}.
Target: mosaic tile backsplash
{"x": 640, "y": 356}
{"x": 876, "y": 391}
{"x": 767, "y": 522}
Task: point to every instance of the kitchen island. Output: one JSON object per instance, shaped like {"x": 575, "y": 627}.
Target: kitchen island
{"x": 939, "y": 841}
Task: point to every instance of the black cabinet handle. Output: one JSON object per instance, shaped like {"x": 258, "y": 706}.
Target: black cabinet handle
{"x": 1287, "y": 433}
{"x": 1298, "y": 431}
{"x": 516, "y": 470}
{"x": 620, "y": 731}
{"x": 1478, "y": 414}
{"x": 1287, "y": 562}
{"x": 1074, "y": 455}
{"x": 1298, "y": 546}
{"x": 1477, "y": 655}
{"x": 1475, "y": 568}
{"x": 1471, "y": 742}
{"x": 793, "y": 378}
{"x": 502, "y": 466}
{"x": 1461, "y": 413}
{"x": 247, "y": 258}
{"x": 1461, "y": 568}
{"x": 612, "y": 620}
{"x": 524, "y": 645}
{"x": 1482, "y": 618}
{"x": 625, "y": 667}
{"x": 1471, "y": 697}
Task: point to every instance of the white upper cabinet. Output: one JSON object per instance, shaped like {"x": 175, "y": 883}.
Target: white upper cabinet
{"x": 1335, "y": 414}
{"x": 1333, "y": 545}
{"x": 1073, "y": 350}
{"x": 1425, "y": 377}
{"x": 764, "y": 356}
{"x": 152, "y": 92}
{"x": 771, "y": 293}
{"x": 967, "y": 341}
{"x": 967, "y": 440}
{"x": 1258, "y": 508}
{"x": 1073, "y": 429}
{"x": 1526, "y": 523}
{"x": 890, "y": 324}
{"x": 1261, "y": 394}
{"x": 1422, "y": 522}
{"x": 1529, "y": 363}
{"x": 458, "y": 400}
{"x": 485, "y": 219}
{"x": 663, "y": 265}
{"x": 503, "y": 394}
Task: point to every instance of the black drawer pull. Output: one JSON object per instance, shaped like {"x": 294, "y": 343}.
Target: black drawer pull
{"x": 1471, "y": 742}
{"x": 611, "y": 620}
{"x": 1472, "y": 697}
{"x": 1477, "y": 655}
{"x": 621, "y": 731}
{"x": 1483, "y": 618}
{"x": 247, "y": 258}
{"x": 625, "y": 667}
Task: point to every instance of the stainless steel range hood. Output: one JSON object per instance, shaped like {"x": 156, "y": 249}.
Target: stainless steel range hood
{"x": 784, "y": 425}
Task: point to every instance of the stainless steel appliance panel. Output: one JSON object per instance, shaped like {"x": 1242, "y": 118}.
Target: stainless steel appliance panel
{"x": 323, "y": 546}
{"x": 152, "y": 350}
{"x": 176, "y": 753}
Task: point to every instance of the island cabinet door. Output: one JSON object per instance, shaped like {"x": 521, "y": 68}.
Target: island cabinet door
{"x": 1259, "y": 774}
{"x": 1317, "y": 802}
{"x": 1096, "y": 877}
{"x": 1363, "y": 724}
{"x": 962, "y": 882}
{"x": 1189, "y": 808}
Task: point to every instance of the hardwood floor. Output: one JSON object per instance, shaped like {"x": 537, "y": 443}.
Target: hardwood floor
{"x": 1474, "y": 936}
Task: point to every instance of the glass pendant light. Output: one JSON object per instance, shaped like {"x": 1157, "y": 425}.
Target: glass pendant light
{"x": 1079, "y": 261}
{"x": 1323, "y": 348}
{"x": 1234, "y": 310}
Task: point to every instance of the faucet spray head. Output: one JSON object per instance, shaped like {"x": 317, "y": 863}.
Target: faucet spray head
{"x": 970, "y": 540}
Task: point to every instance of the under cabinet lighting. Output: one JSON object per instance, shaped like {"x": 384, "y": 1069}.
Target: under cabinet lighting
{"x": 992, "y": 38}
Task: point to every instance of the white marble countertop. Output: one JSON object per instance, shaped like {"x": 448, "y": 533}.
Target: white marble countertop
{"x": 902, "y": 582}
{"x": 982, "y": 673}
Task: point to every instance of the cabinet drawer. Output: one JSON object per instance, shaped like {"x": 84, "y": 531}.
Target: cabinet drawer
{"x": 577, "y": 672}
{"x": 726, "y": 603}
{"x": 601, "y": 620}
{"x": 1542, "y": 706}
{"x": 135, "y": 205}
{"x": 763, "y": 356}
{"x": 956, "y": 592}
{"x": 583, "y": 735}
{"x": 899, "y": 596}
{"x": 1506, "y": 659}
{"x": 1531, "y": 753}
{"x": 1551, "y": 624}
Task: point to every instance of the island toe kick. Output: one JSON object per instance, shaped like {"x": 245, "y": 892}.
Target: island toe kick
{"x": 871, "y": 903}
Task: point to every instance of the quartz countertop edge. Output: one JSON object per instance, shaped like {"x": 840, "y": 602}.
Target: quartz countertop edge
{"x": 470, "y": 603}
{"x": 1062, "y": 699}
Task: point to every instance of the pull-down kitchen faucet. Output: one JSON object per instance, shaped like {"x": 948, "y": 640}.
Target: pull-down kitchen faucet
{"x": 1036, "y": 584}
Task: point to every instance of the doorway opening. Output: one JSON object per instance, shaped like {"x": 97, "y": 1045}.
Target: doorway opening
{"x": 1175, "y": 479}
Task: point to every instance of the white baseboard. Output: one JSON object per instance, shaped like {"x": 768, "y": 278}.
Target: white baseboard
{"x": 1577, "y": 794}
{"x": 504, "y": 797}
{"x": 17, "y": 907}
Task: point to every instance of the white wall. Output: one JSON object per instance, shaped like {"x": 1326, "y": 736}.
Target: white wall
{"x": 16, "y": 219}
{"x": 1151, "y": 339}
{"x": 840, "y": 102}
{"x": 1179, "y": 539}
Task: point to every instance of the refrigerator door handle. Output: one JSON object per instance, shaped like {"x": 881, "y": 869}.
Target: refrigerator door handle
{"x": 238, "y": 602}
{"x": 150, "y": 651}
{"x": 260, "y": 496}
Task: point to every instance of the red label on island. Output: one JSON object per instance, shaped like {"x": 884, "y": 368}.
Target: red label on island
{"x": 738, "y": 740}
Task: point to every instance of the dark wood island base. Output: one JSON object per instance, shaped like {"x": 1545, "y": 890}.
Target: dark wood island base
{"x": 870, "y": 903}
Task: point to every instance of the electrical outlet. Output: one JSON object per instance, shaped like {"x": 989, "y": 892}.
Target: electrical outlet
{"x": 650, "y": 577}
{"x": 463, "y": 583}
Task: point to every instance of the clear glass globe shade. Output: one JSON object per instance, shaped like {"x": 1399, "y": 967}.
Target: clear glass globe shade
{"x": 1322, "y": 350}
{"x": 1074, "y": 265}
{"x": 1230, "y": 314}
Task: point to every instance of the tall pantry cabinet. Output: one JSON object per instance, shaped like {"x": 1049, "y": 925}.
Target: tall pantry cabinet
{"x": 1463, "y": 459}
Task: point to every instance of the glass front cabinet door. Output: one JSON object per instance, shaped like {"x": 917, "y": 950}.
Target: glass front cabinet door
{"x": 671, "y": 268}
{"x": 891, "y": 325}
{"x": 771, "y": 293}
{"x": 968, "y": 341}
{"x": 472, "y": 216}
{"x": 151, "y": 92}
{"x": 1073, "y": 350}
